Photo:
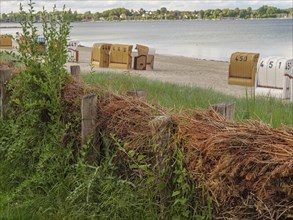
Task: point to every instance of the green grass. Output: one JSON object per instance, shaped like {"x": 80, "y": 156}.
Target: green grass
{"x": 269, "y": 110}
{"x": 5, "y": 57}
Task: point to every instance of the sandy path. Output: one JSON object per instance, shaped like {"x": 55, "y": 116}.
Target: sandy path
{"x": 176, "y": 69}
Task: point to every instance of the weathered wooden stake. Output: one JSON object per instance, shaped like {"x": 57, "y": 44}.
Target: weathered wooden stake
{"x": 5, "y": 76}
{"x": 162, "y": 130}
{"x": 88, "y": 122}
{"x": 225, "y": 109}
{"x": 291, "y": 87}
{"x": 75, "y": 71}
{"x": 137, "y": 93}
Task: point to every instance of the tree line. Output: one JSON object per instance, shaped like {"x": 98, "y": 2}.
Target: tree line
{"x": 118, "y": 14}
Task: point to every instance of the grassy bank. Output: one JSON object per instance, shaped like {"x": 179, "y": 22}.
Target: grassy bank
{"x": 269, "y": 110}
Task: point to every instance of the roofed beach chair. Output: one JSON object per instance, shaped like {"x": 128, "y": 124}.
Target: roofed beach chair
{"x": 145, "y": 58}
{"x": 242, "y": 69}
{"x": 5, "y": 41}
{"x": 100, "y": 54}
{"x": 120, "y": 56}
{"x": 25, "y": 44}
{"x": 273, "y": 77}
{"x": 41, "y": 44}
{"x": 72, "y": 52}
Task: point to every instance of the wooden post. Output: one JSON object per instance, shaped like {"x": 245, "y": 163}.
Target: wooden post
{"x": 225, "y": 109}
{"x": 5, "y": 76}
{"x": 162, "y": 130}
{"x": 291, "y": 86}
{"x": 137, "y": 93}
{"x": 75, "y": 71}
{"x": 88, "y": 124}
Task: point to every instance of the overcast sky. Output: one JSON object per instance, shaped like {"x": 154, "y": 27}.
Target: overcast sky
{"x": 101, "y": 5}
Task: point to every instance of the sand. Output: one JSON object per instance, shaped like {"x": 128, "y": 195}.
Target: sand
{"x": 176, "y": 69}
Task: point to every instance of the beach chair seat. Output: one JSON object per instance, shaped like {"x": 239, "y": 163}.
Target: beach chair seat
{"x": 72, "y": 52}
{"x": 24, "y": 44}
{"x": 120, "y": 56}
{"x": 100, "y": 54}
{"x": 145, "y": 58}
{"x": 242, "y": 69}
{"x": 41, "y": 45}
{"x": 140, "y": 62}
{"x": 5, "y": 41}
{"x": 273, "y": 77}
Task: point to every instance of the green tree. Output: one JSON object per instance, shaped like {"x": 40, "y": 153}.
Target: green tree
{"x": 163, "y": 10}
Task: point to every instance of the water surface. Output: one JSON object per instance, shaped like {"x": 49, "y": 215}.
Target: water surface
{"x": 212, "y": 40}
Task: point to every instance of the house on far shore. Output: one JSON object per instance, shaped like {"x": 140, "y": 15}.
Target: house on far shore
{"x": 123, "y": 16}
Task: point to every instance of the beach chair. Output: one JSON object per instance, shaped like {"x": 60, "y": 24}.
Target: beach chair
{"x": 72, "y": 52}
{"x": 41, "y": 45}
{"x": 120, "y": 56}
{"x": 242, "y": 69}
{"x": 145, "y": 58}
{"x": 5, "y": 41}
{"x": 100, "y": 54}
{"x": 24, "y": 44}
{"x": 273, "y": 77}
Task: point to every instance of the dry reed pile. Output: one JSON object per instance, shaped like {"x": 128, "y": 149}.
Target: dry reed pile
{"x": 246, "y": 167}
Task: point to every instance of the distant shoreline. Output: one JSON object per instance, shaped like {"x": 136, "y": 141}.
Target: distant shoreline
{"x": 10, "y": 26}
{"x": 167, "y": 20}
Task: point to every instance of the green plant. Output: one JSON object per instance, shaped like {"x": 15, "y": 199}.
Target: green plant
{"x": 101, "y": 192}
{"x": 189, "y": 202}
{"x": 34, "y": 144}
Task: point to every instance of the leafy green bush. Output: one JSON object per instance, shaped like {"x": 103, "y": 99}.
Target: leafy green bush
{"x": 34, "y": 157}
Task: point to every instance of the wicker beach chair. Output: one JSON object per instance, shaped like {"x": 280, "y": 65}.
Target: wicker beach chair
{"x": 100, "y": 54}
{"x": 5, "y": 41}
{"x": 72, "y": 52}
{"x": 120, "y": 56}
{"x": 24, "y": 44}
{"x": 242, "y": 69}
{"x": 273, "y": 77}
{"x": 145, "y": 58}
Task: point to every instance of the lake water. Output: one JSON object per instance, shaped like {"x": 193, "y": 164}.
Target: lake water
{"x": 212, "y": 40}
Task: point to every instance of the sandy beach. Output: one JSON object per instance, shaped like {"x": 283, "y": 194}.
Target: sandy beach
{"x": 175, "y": 69}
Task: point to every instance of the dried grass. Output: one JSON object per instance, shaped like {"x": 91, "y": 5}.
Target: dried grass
{"x": 247, "y": 167}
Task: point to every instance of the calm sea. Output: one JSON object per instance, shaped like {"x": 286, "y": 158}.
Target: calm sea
{"x": 213, "y": 40}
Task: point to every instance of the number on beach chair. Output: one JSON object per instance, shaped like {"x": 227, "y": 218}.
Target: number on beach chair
{"x": 273, "y": 77}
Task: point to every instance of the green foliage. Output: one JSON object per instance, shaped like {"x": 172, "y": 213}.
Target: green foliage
{"x": 32, "y": 145}
{"x": 183, "y": 193}
{"x": 101, "y": 193}
{"x": 36, "y": 107}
